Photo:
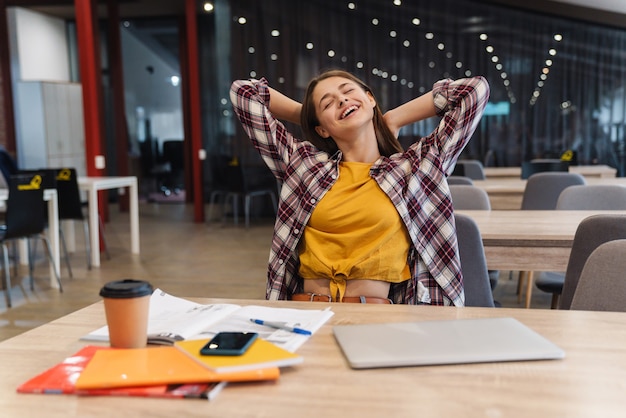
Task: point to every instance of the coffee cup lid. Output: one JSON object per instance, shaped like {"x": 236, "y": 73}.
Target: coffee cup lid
{"x": 127, "y": 288}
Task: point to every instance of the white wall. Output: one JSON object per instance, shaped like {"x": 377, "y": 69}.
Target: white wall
{"x": 39, "y": 46}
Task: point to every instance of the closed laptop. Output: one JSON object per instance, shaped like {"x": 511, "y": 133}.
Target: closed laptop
{"x": 442, "y": 342}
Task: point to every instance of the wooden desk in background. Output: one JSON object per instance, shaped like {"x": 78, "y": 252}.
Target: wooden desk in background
{"x": 507, "y": 193}
{"x": 524, "y": 240}
{"x": 589, "y": 381}
{"x": 92, "y": 185}
{"x": 50, "y": 196}
{"x": 585, "y": 170}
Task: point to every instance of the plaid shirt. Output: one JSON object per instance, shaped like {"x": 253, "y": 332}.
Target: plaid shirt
{"x": 414, "y": 181}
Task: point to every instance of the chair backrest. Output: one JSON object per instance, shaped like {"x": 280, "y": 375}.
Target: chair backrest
{"x": 473, "y": 263}
{"x": 590, "y": 234}
{"x": 602, "y": 284}
{"x": 70, "y": 204}
{"x": 541, "y": 166}
{"x": 465, "y": 197}
{"x": 460, "y": 180}
{"x": 469, "y": 168}
{"x": 25, "y": 213}
{"x": 593, "y": 197}
{"x": 543, "y": 189}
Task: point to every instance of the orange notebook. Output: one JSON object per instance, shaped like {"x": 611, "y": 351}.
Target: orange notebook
{"x": 155, "y": 366}
{"x": 261, "y": 354}
{"x": 61, "y": 379}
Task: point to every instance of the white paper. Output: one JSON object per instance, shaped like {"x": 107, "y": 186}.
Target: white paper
{"x": 171, "y": 315}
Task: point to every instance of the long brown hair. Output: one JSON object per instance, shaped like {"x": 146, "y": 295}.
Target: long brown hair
{"x": 387, "y": 143}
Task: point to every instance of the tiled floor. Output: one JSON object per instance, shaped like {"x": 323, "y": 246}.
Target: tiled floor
{"x": 177, "y": 255}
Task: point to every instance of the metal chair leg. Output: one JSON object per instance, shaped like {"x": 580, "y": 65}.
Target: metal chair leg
{"x": 67, "y": 257}
{"x": 7, "y": 274}
{"x": 87, "y": 242}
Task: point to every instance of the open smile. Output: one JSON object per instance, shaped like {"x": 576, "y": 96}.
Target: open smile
{"x": 349, "y": 110}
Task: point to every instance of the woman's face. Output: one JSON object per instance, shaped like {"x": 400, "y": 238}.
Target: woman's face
{"x": 341, "y": 106}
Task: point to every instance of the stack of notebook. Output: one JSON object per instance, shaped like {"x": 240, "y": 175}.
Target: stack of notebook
{"x": 166, "y": 371}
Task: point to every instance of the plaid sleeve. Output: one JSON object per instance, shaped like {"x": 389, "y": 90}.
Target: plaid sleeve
{"x": 250, "y": 100}
{"x": 461, "y": 104}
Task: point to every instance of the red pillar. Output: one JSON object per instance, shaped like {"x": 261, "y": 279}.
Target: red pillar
{"x": 93, "y": 107}
{"x": 7, "y": 135}
{"x": 195, "y": 125}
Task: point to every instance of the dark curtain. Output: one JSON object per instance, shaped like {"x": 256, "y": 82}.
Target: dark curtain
{"x": 538, "y": 108}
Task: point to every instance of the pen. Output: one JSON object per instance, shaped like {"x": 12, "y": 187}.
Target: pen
{"x": 281, "y": 325}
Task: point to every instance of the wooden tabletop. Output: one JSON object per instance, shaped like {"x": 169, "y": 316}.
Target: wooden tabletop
{"x": 588, "y": 382}
{"x": 585, "y": 170}
{"x": 507, "y": 193}
{"x": 525, "y": 240}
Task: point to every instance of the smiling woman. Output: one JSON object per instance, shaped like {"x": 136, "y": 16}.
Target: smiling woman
{"x": 361, "y": 220}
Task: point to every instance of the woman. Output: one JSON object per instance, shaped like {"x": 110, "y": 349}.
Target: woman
{"x": 359, "y": 219}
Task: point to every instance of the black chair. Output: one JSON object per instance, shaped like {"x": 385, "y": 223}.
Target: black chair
{"x": 234, "y": 183}
{"x": 541, "y": 166}
{"x": 71, "y": 209}
{"x": 25, "y": 218}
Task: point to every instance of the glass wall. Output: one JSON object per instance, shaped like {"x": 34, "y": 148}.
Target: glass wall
{"x": 557, "y": 84}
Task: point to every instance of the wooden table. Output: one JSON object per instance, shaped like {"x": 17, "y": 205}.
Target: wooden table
{"x": 50, "y": 196}
{"x": 92, "y": 185}
{"x": 524, "y": 240}
{"x": 586, "y": 170}
{"x": 507, "y": 193}
{"x": 588, "y": 382}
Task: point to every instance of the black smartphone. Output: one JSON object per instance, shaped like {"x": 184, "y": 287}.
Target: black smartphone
{"x": 229, "y": 344}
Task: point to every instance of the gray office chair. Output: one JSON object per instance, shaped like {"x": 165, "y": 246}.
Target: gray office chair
{"x": 590, "y": 234}
{"x": 460, "y": 180}
{"x": 465, "y": 197}
{"x": 469, "y": 168}
{"x": 541, "y": 193}
{"x": 602, "y": 285}
{"x": 543, "y": 189}
{"x": 587, "y": 197}
{"x": 473, "y": 263}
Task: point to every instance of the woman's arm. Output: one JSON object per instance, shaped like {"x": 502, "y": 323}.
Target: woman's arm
{"x": 420, "y": 108}
{"x": 282, "y": 107}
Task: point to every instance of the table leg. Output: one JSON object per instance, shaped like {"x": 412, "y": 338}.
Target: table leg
{"x": 134, "y": 217}
{"x": 53, "y": 232}
{"x": 529, "y": 288}
{"x": 94, "y": 231}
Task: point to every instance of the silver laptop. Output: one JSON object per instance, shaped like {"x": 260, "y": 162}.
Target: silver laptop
{"x": 442, "y": 342}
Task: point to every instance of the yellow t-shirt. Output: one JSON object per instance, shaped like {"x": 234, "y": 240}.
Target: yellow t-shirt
{"x": 354, "y": 232}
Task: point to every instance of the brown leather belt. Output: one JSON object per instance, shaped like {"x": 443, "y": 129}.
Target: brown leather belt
{"x": 316, "y": 297}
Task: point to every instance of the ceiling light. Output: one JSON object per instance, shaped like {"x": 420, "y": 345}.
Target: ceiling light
{"x": 251, "y": 50}
{"x": 441, "y": 46}
{"x": 351, "y": 6}
{"x": 359, "y": 64}
{"x": 309, "y": 45}
{"x": 483, "y": 36}
{"x": 416, "y": 21}
{"x": 397, "y": 2}
{"x": 275, "y": 32}
{"x": 393, "y": 33}
{"x": 429, "y": 35}
{"x": 406, "y": 43}
{"x": 374, "y": 21}
{"x": 273, "y": 57}
{"x": 558, "y": 37}
{"x": 242, "y": 20}
{"x": 548, "y": 62}
{"x": 489, "y": 49}
{"x": 552, "y": 52}
{"x": 331, "y": 53}
{"x": 208, "y": 7}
